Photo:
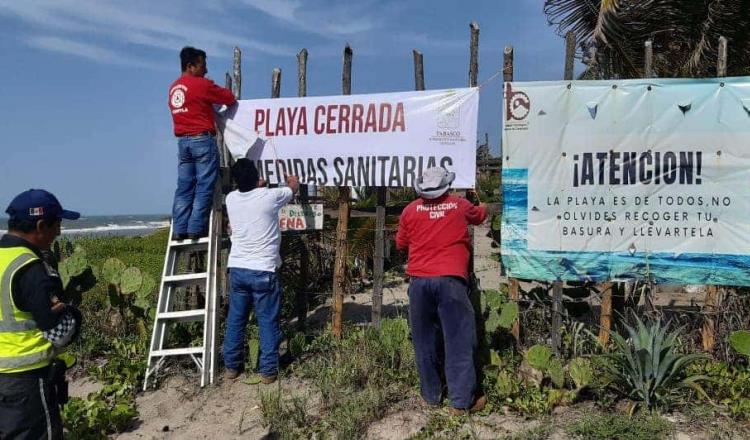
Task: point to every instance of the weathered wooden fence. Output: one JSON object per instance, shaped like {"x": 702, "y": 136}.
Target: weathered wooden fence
{"x": 608, "y": 291}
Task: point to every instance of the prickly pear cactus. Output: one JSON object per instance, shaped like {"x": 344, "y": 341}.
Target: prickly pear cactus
{"x": 495, "y": 358}
{"x": 581, "y": 372}
{"x": 75, "y": 264}
{"x": 492, "y": 323}
{"x": 491, "y": 300}
{"x": 505, "y": 384}
{"x": 556, "y": 373}
{"x": 112, "y": 270}
{"x": 149, "y": 286}
{"x": 740, "y": 342}
{"x": 538, "y": 357}
{"x": 131, "y": 280}
{"x": 253, "y": 353}
{"x": 508, "y": 315}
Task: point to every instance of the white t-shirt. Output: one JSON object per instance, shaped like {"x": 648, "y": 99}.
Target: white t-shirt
{"x": 254, "y": 219}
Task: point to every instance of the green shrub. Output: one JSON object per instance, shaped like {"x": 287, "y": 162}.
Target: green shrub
{"x": 616, "y": 426}
{"x": 740, "y": 342}
{"x": 359, "y": 377}
{"x": 647, "y": 368}
{"x": 726, "y": 385}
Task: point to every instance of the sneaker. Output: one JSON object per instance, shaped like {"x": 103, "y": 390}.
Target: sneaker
{"x": 179, "y": 237}
{"x": 267, "y": 380}
{"x": 478, "y": 405}
{"x": 195, "y": 236}
{"x": 230, "y": 374}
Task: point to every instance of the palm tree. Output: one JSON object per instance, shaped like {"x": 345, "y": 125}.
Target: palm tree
{"x": 685, "y": 34}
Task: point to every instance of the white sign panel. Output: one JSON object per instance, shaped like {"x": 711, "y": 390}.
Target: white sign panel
{"x": 358, "y": 140}
{"x": 628, "y": 179}
{"x": 301, "y": 217}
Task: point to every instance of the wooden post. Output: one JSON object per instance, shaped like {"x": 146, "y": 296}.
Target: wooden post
{"x": 342, "y": 248}
{"x": 236, "y": 87}
{"x": 473, "y": 73}
{"x": 557, "y": 287}
{"x": 300, "y": 296}
{"x": 378, "y": 257}
{"x": 648, "y": 59}
{"x": 418, "y": 70}
{"x": 721, "y": 64}
{"x": 276, "y": 83}
{"x": 302, "y": 73}
{"x": 605, "y": 317}
{"x": 713, "y": 297}
{"x": 474, "y": 54}
{"x": 513, "y": 287}
{"x": 570, "y": 51}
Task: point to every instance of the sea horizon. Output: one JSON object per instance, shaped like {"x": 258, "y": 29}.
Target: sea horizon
{"x": 120, "y": 225}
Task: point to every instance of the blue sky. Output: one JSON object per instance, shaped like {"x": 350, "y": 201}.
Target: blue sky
{"x": 84, "y": 84}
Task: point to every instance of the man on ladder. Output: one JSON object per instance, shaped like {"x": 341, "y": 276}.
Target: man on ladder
{"x": 196, "y": 216}
{"x": 191, "y": 101}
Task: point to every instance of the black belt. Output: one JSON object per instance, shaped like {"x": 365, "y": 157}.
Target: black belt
{"x": 203, "y": 133}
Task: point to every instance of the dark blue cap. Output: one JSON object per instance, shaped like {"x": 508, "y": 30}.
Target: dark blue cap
{"x": 36, "y": 204}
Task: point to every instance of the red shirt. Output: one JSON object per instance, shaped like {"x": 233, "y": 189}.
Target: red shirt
{"x": 191, "y": 100}
{"x": 437, "y": 236}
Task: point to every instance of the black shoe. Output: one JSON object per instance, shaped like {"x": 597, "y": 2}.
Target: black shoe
{"x": 195, "y": 236}
{"x": 179, "y": 237}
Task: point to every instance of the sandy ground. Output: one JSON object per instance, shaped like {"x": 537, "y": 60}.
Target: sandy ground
{"x": 180, "y": 409}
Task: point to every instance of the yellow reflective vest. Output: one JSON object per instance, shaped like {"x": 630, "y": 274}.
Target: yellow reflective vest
{"x": 22, "y": 344}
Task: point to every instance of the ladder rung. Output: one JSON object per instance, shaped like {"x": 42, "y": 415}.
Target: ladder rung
{"x": 202, "y": 240}
{"x": 177, "y": 351}
{"x": 183, "y": 315}
{"x": 186, "y": 279}
{"x": 189, "y": 246}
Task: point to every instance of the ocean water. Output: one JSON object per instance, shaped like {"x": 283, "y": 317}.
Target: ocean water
{"x": 665, "y": 268}
{"x": 99, "y": 225}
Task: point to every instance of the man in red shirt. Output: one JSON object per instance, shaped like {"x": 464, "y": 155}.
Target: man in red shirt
{"x": 191, "y": 101}
{"x": 434, "y": 229}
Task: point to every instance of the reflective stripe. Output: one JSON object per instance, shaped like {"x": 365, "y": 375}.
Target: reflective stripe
{"x": 17, "y": 326}
{"x": 22, "y": 361}
{"x": 46, "y": 409}
{"x": 6, "y": 302}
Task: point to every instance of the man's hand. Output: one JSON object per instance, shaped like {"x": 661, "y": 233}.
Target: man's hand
{"x": 293, "y": 183}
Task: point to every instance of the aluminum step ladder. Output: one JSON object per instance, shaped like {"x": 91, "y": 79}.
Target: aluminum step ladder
{"x": 204, "y": 355}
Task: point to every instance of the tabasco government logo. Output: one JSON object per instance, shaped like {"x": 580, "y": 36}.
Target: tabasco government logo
{"x": 517, "y": 109}
{"x": 448, "y": 121}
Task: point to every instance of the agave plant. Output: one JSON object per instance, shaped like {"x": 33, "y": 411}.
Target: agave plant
{"x": 647, "y": 368}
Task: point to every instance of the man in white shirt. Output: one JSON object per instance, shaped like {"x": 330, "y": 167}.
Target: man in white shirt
{"x": 253, "y": 264}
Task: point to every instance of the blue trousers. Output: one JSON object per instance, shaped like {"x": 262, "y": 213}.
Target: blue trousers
{"x": 440, "y": 313}
{"x": 263, "y": 290}
{"x": 197, "y": 171}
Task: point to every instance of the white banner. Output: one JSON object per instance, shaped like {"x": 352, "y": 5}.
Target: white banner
{"x": 628, "y": 179}
{"x": 358, "y": 140}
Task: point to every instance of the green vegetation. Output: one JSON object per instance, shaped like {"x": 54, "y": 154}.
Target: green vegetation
{"x": 647, "y": 367}
{"x": 370, "y": 372}
{"x": 359, "y": 377}
{"x": 621, "y": 427}
{"x": 116, "y": 301}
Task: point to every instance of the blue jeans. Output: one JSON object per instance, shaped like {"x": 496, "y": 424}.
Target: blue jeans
{"x": 197, "y": 172}
{"x": 442, "y": 325}
{"x": 262, "y": 289}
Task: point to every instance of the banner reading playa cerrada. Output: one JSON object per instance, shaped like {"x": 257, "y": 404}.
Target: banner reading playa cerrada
{"x": 358, "y": 140}
{"x": 623, "y": 180}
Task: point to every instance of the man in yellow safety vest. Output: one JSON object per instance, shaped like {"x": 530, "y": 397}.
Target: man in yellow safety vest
{"x": 34, "y": 326}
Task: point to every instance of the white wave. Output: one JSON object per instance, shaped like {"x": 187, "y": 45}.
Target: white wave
{"x": 116, "y": 227}
{"x": 112, "y": 227}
